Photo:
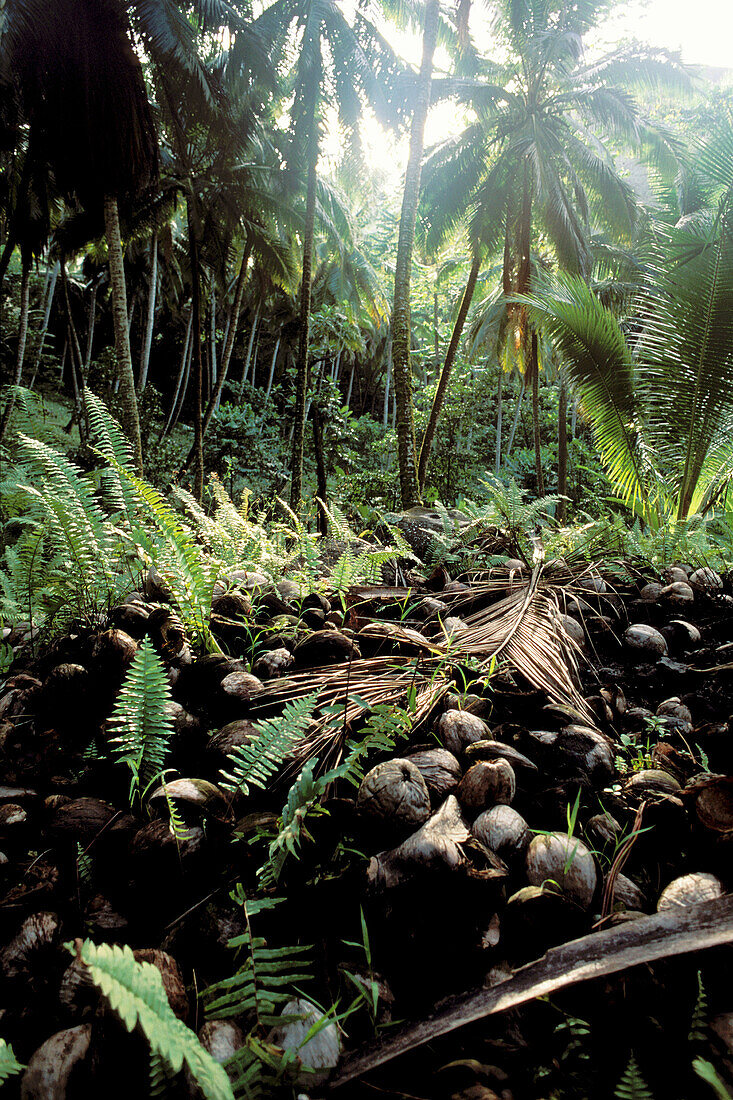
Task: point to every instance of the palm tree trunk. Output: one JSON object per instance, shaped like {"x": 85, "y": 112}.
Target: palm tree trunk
{"x": 515, "y": 421}
{"x": 179, "y": 381}
{"x": 351, "y": 385}
{"x": 499, "y": 411}
{"x": 302, "y": 365}
{"x": 22, "y": 338}
{"x": 130, "y": 415}
{"x": 142, "y": 379}
{"x": 321, "y": 479}
{"x": 198, "y": 399}
{"x": 51, "y": 287}
{"x": 562, "y": 450}
{"x": 231, "y": 335}
{"x": 401, "y": 342}
{"x": 90, "y": 329}
{"x": 385, "y": 411}
{"x": 535, "y": 369}
{"x": 440, "y": 392}
{"x": 212, "y": 332}
{"x": 250, "y": 345}
{"x": 75, "y": 358}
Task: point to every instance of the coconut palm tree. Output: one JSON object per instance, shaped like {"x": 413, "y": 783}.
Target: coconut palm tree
{"x": 534, "y": 158}
{"x": 344, "y": 64}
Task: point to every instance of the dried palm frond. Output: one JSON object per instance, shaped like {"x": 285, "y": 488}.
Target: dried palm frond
{"x": 524, "y": 628}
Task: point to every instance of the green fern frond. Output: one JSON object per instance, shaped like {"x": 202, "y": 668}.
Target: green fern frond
{"x": 108, "y": 439}
{"x": 140, "y": 721}
{"x": 699, "y": 1022}
{"x": 9, "y": 1064}
{"x": 189, "y": 573}
{"x": 632, "y": 1085}
{"x": 254, "y": 764}
{"x": 302, "y": 800}
{"x": 134, "y": 991}
{"x": 266, "y": 979}
{"x": 84, "y": 865}
{"x": 707, "y": 1072}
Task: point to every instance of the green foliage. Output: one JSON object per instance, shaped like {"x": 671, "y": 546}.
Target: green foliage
{"x": 140, "y": 721}
{"x": 265, "y": 980}
{"x": 707, "y": 1072}
{"x": 9, "y": 1064}
{"x": 252, "y": 765}
{"x": 134, "y": 991}
{"x": 632, "y": 1085}
{"x": 699, "y": 1023}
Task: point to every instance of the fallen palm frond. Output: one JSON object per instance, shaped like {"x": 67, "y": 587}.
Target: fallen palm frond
{"x": 674, "y": 932}
{"x": 524, "y": 628}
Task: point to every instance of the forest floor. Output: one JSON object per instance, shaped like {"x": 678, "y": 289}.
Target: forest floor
{"x": 511, "y": 881}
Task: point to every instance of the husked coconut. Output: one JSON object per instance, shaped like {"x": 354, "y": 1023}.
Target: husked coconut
{"x": 459, "y": 728}
{"x": 320, "y": 1053}
{"x": 566, "y": 861}
{"x": 395, "y": 791}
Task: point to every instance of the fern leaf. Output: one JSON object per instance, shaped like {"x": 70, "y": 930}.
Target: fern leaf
{"x": 142, "y": 726}
{"x": 134, "y": 991}
{"x": 267, "y": 977}
{"x": 707, "y": 1072}
{"x": 699, "y": 1022}
{"x": 254, "y": 764}
{"x": 9, "y": 1064}
{"x": 632, "y": 1085}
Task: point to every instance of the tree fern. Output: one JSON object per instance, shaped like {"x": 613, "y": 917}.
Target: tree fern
{"x": 9, "y": 1064}
{"x": 140, "y": 721}
{"x": 265, "y": 980}
{"x": 134, "y": 991}
{"x": 254, "y": 764}
{"x": 632, "y": 1085}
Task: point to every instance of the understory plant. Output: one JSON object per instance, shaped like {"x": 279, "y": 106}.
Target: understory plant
{"x": 657, "y": 388}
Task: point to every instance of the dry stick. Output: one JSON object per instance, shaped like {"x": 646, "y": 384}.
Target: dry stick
{"x": 670, "y": 933}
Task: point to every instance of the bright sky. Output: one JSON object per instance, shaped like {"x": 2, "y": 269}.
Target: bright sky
{"x": 702, "y": 30}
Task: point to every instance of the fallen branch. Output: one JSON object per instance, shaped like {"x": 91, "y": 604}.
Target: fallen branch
{"x": 673, "y": 932}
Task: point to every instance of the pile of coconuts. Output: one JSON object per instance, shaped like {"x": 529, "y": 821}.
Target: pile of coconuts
{"x": 486, "y": 838}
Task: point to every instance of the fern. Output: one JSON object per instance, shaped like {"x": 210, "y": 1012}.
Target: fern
{"x": 189, "y": 573}
{"x": 632, "y": 1085}
{"x": 111, "y": 443}
{"x": 9, "y": 1064}
{"x": 254, "y": 764}
{"x": 303, "y": 798}
{"x": 699, "y": 1022}
{"x": 140, "y": 721}
{"x": 265, "y": 980}
{"x": 707, "y": 1072}
{"x": 134, "y": 991}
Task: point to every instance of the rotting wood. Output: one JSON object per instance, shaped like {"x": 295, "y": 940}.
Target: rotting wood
{"x": 648, "y": 939}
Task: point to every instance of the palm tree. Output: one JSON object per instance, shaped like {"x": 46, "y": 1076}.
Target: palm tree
{"x": 82, "y": 89}
{"x": 661, "y": 401}
{"x": 533, "y": 157}
{"x": 344, "y": 64}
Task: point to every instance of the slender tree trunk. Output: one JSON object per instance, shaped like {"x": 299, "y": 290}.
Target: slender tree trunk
{"x": 179, "y": 380}
{"x": 535, "y": 369}
{"x": 321, "y": 479}
{"x": 562, "y": 450}
{"x": 302, "y": 365}
{"x": 401, "y": 343}
{"x": 385, "y": 411}
{"x": 212, "y": 332}
{"x": 250, "y": 345}
{"x": 62, "y": 365}
{"x": 90, "y": 329}
{"x": 77, "y": 362}
{"x": 499, "y": 411}
{"x": 22, "y": 338}
{"x": 53, "y": 276}
{"x": 515, "y": 421}
{"x": 198, "y": 364}
{"x": 435, "y": 332}
{"x": 440, "y": 392}
{"x": 272, "y": 370}
{"x": 231, "y": 335}
{"x": 351, "y": 385}
{"x": 130, "y": 414}
{"x": 180, "y": 400}
{"x": 255, "y": 353}
{"x": 142, "y": 379}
